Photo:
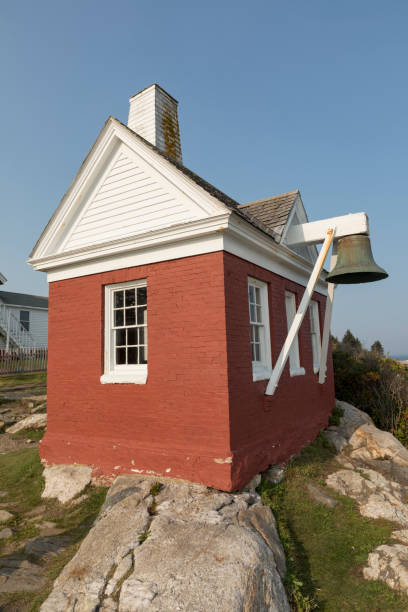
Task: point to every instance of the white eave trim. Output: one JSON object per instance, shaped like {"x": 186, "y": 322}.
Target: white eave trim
{"x": 156, "y": 238}
{"x": 228, "y": 232}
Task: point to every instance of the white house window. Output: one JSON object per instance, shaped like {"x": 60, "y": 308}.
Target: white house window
{"x": 315, "y": 334}
{"x": 125, "y": 333}
{"x": 294, "y": 358}
{"x": 260, "y": 337}
{"x": 25, "y": 319}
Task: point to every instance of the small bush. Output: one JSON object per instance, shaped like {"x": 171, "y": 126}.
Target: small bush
{"x": 374, "y": 383}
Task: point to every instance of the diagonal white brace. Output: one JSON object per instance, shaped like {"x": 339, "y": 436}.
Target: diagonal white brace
{"x": 297, "y": 321}
{"x": 327, "y": 321}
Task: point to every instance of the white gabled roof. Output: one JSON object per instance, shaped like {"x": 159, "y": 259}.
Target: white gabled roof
{"x": 125, "y": 187}
{"x": 130, "y": 204}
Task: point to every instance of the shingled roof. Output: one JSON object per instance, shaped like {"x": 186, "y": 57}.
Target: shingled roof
{"x": 272, "y": 212}
{"x": 23, "y": 299}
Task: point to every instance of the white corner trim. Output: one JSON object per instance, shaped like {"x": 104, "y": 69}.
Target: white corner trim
{"x": 316, "y": 368}
{"x": 297, "y": 372}
{"x": 136, "y": 378}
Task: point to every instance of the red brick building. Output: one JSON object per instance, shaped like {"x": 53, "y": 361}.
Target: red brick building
{"x": 169, "y": 305}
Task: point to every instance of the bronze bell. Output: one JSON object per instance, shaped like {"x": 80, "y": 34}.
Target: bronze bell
{"x": 355, "y": 262}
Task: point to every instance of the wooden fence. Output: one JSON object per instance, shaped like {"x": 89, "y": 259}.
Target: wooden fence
{"x": 23, "y": 360}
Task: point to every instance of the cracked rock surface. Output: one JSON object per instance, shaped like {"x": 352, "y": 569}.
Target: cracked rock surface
{"x": 375, "y": 474}
{"x": 185, "y": 547}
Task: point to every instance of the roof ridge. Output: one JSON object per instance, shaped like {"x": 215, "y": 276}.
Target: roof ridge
{"x": 279, "y": 195}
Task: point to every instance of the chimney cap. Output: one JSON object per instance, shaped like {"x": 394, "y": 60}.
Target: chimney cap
{"x": 154, "y": 85}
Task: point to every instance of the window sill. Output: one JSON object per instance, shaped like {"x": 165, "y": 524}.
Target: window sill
{"x": 261, "y": 373}
{"x": 298, "y": 372}
{"x": 136, "y": 378}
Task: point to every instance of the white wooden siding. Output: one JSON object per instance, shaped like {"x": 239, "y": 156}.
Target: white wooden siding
{"x": 38, "y": 323}
{"x": 130, "y": 200}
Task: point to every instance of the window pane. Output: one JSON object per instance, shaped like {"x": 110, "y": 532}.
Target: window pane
{"x": 132, "y": 354}
{"x": 132, "y": 335}
{"x": 118, "y": 299}
{"x": 258, "y": 314}
{"x": 141, "y": 296}
{"x": 142, "y": 315}
{"x": 256, "y": 333}
{"x": 130, "y": 316}
{"x": 120, "y": 356}
{"x": 120, "y": 337}
{"x": 130, "y": 297}
{"x": 142, "y": 335}
{"x": 142, "y": 354}
{"x": 118, "y": 318}
{"x": 253, "y": 352}
{"x": 251, "y": 293}
{"x": 257, "y": 352}
{"x": 257, "y": 295}
{"x": 252, "y": 313}
{"x": 25, "y": 319}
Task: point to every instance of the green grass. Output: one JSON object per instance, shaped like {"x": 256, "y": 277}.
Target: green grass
{"x": 29, "y": 434}
{"x": 326, "y": 548}
{"x": 4, "y": 400}
{"x": 334, "y": 418}
{"x": 21, "y": 477}
{"x": 29, "y": 379}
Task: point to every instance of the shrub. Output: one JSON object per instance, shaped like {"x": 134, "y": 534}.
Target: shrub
{"x": 374, "y": 383}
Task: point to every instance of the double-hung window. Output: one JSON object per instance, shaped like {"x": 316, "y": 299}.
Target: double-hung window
{"x": 259, "y": 329}
{"x": 25, "y": 319}
{"x": 315, "y": 334}
{"x": 294, "y": 357}
{"x": 125, "y": 353}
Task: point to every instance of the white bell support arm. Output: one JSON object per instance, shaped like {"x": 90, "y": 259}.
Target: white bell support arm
{"x": 327, "y": 320}
{"x": 297, "y": 321}
{"x": 315, "y": 232}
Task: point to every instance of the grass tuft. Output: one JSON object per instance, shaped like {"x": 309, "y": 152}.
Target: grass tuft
{"x": 143, "y": 536}
{"x": 334, "y": 418}
{"x": 156, "y": 488}
{"x": 326, "y": 548}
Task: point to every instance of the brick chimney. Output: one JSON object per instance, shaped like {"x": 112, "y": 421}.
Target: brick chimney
{"x": 153, "y": 115}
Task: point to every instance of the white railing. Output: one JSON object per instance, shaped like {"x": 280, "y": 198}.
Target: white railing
{"x": 15, "y": 333}
{"x": 16, "y": 361}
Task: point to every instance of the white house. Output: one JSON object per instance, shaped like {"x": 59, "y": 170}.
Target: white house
{"x": 23, "y": 319}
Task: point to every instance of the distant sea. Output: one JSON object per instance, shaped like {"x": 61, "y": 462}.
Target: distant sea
{"x": 399, "y": 357}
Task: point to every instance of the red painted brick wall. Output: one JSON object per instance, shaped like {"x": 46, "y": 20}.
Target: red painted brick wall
{"x": 199, "y": 417}
{"x": 177, "y": 423}
{"x": 269, "y": 429}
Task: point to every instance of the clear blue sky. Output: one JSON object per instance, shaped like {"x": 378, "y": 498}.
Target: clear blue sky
{"x": 273, "y": 96}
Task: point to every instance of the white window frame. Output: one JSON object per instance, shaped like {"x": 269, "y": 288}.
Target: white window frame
{"x": 261, "y": 370}
{"x": 135, "y": 373}
{"x": 315, "y": 334}
{"x": 294, "y": 355}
